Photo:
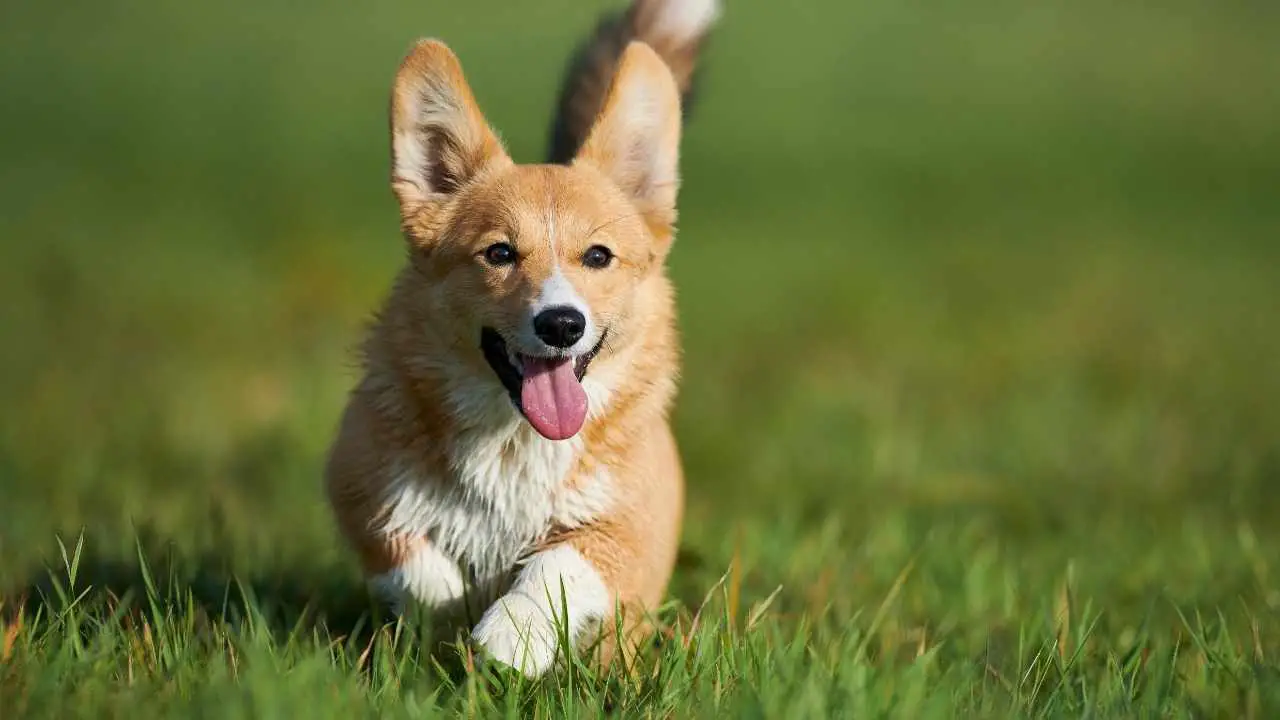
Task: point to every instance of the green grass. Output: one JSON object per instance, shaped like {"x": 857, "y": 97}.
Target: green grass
{"x": 981, "y": 360}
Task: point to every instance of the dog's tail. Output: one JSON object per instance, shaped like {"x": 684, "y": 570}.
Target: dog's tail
{"x": 675, "y": 29}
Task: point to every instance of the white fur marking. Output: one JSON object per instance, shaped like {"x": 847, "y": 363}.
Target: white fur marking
{"x": 598, "y": 394}
{"x": 684, "y": 20}
{"x": 557, "y": 291}
{"x": 522, "y": 629}
{"x": 507, "y": 488}
{"x": 586, "y": 503}
{"x": 428, "y": 577}
{"x": 551, "y": 233}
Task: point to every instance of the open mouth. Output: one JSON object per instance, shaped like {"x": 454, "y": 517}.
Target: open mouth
{"x": 547, "y": 390}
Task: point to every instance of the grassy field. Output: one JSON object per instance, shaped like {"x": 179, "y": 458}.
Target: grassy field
{"x": 981, "y": 409}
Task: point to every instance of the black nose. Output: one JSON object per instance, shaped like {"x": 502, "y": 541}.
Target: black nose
{"x": 559, "y": 327}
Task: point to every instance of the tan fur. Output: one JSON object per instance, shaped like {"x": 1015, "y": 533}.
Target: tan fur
{"x": 427, "y": 390}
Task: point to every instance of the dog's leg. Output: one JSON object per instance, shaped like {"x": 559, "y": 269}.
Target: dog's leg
{"x": 583, "y": 576}
{"x": 424, "y": 575}
{"x": 558, "y": 593}
{"x": 399, "y": 562}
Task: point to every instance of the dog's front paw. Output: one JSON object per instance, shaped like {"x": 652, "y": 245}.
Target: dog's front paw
{"x": 516, "y": 631}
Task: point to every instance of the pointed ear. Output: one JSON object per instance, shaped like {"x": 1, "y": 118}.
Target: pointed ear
{"x": 635, "y": 140}
{"x": 439, "y": 139}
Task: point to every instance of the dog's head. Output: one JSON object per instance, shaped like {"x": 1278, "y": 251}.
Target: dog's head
{"x": 537, "y": 271}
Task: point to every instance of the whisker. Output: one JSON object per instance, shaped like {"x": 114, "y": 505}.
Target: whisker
{"x": 607, "y": 223}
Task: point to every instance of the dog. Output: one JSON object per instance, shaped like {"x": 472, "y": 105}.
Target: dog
{"x": 507, "y": 451}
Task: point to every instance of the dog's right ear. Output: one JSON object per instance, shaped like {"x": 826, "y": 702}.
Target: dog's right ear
{"x": 439, "y": 138}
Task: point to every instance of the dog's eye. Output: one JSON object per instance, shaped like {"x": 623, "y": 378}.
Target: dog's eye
{"x": 597, "y": 256}
{"x": 500, "y": 254}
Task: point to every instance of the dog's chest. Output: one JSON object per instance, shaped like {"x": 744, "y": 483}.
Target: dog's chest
{"x": 500, "y": 494}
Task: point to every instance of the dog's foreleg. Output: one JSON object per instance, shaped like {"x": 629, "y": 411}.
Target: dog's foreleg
{"x": 557, "y": 594}
{"x": 424, "y": 575}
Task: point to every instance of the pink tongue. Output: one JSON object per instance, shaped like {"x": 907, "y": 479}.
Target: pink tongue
{"x": 552, "y": 398}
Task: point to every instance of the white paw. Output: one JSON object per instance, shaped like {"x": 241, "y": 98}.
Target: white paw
{"x": 516, "y": 631}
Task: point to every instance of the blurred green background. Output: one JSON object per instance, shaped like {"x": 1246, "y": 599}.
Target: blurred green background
{"x": 990, "y": 284}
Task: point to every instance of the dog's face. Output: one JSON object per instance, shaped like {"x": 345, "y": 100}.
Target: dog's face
{"x": 537, "y": 269}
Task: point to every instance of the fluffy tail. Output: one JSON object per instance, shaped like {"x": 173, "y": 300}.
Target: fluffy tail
{"x": 676, "y": 29}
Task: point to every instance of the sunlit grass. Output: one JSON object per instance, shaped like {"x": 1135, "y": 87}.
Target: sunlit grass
{"x": 979, "y": 408}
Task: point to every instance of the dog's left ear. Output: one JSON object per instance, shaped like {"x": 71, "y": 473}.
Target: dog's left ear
{"x": 440, "y": 141}
{"x": 635, "y": 140}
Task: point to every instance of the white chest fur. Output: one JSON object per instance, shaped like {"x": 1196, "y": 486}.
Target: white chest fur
{"x": 504, "y": 489}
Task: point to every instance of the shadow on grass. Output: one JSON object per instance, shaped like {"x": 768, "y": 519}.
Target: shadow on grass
{"x": 199, "y": 594}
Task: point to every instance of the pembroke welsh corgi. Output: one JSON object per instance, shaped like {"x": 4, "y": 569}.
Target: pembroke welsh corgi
{"x": 507, "y": 450}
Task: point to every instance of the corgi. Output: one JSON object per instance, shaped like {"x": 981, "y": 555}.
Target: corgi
{"x": 507, "y": 451}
